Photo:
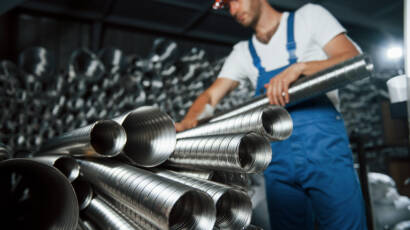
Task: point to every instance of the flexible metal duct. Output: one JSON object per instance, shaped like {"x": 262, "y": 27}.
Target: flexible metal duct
{"x": 233, "y": 207}
{"x": 84, "y": 193}
{"x": 165, "y": 204}
{"x": 239, "y": 180}
{"x": 102, "y": 139}
{"x": 273, "y": 122}
{"x": 105, "y": 217}
{"x": 204, "y": 175}
{"x": 151, "y": 136}
{"x": 66, "y": 164}
{"x": 85, "y": 225}
{"x": 246, "y": 153}
{"x": 308, "y": 87}
{"x": 113, "y": 59}
{"x": 36, "y": 196}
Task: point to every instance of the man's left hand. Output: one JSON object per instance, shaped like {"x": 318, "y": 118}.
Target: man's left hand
{"x": 277, "y": 88}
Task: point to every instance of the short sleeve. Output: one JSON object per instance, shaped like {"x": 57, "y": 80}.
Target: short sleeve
{"x": 322, "y": 24}
{"x": 235, "y": 64}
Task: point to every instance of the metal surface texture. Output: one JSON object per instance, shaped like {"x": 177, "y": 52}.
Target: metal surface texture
{"x": 36, "y": 196}
{"x": 238, "y": 180}
{"x": 150, "y": 136}
{"x": 204, "y": 175}
{"x": 84, "y": 192}
{"x": 85, "y": 225}
{"x": 103, "y": 138}
{"x": 165, "y": 204}
{"x": 272, "y": 122}
{"x": 105, "y": 217}
{"x": 247, "y": 153}
{"x": 308, "y": 87}
{"x": 233, "y": 207}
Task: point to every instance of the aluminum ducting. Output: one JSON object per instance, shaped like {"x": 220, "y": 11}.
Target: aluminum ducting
{"x": 245, "y": 153}
{"x": 66, "y": 164}
{"x": 164, "y": 203}
{"x": 84, "y": 193}
{"x": 36, "y": 196}
{"x": 151, "y": 136}
{"x": 233, "y": 207}
{"x": 273, "y": 122}
{"x": 104, "y": 138}
{"x": 85, "y": 225}
{"x": 310, "y": 86}
{"x": 239, "y": 180}
{"x": 105, "y": 217}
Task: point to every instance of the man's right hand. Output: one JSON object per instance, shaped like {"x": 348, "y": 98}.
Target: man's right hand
{"x": 186, "y": 124}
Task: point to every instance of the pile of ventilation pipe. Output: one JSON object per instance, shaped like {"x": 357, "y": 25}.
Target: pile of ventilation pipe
{"x": 131, "y": 170}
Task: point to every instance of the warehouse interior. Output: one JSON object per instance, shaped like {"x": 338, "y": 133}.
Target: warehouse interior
{"x": 67, "y": 64}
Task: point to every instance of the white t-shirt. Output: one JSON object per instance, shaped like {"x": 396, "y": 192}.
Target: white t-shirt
{"x": 314, "y": 27}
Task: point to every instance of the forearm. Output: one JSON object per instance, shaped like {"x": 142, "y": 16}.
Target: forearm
{"x": 312, "y": 67}
{"x": 198, "y": 106}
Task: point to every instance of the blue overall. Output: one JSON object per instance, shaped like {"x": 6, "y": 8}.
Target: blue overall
{"x": 312, "y": 171}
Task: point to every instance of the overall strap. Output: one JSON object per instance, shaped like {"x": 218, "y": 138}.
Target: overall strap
{"x": 255, "y": 57}
{"x": 291, "y": 44}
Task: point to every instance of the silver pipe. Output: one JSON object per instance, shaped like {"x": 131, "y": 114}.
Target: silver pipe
{"x": 84, "y": 193}
{"x": 37, "y": 61}
{"x": 204, "y": 175}
{"x": 233, "y": 207}
{"x": 105, "y": 217}
{"x": 85, "y": 225}
{"x": 67, "y": 165}
{"x": 36, "y": 196}
{"x": 308, "y": 87}
{"x": 151, "y": 136}
{"x": 104, "y": 138}
{"x": 165, "y": 204}
{"x": 127, "y": 213}
{"x": 238, "y": 180}
{"x": 245, "y": 153}
{"x": 84, "y": 64}
{"x": 273, "y": 122}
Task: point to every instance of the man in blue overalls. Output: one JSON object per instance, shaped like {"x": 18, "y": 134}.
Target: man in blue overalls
{"x": 311, "y": 172}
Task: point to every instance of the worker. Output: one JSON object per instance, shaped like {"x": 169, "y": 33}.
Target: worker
{"x": 311, "y": 178}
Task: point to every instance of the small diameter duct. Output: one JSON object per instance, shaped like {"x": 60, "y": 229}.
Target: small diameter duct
{"x": 308, "y": 87}
{"x": 150, "y": 136}
{"x": 245, "y": 153}
{"x": 104, "y": 138}
{"x": 272, "y": 122}
{"x": 36, "y": 196}
{"x": 164, "y": 203}
{"x": 67, "y": 165}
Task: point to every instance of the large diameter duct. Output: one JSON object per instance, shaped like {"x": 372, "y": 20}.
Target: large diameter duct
{"x": 233, "y": 207}
{"x": 273, "y": 122}
{"x": 150, "y": 136}
{"x": 105, "y": 217}
{"x": 308, "y": 87}
{"x": 66, "y": 164}
{"x": 102, "y": 139}
{"x": 165, "y": 204}
{"x": 36, "y": 196}
{"x": 246, "y": 153}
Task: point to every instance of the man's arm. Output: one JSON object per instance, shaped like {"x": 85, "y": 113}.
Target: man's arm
{"x": 339, "y": 49}
{"x": 210, "y": 96}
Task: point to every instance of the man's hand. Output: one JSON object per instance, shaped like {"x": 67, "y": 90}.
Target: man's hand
{"x": 277, "y": 88}
{"x": 186, "y": 124}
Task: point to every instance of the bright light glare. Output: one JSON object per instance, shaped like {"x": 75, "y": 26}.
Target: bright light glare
{"x": 394, "y": 53}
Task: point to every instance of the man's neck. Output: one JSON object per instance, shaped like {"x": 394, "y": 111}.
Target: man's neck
{"x": 267, "y": 24}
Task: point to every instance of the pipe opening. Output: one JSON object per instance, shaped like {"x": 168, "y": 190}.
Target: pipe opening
{"x": 234, "y": 210}
{"x": 108, "y": 138}
{"x": 277, "y": 123}
{"x": 69, "y": 167}
{"x": 192, "y": 211}
{"x": 246, "y": 147}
